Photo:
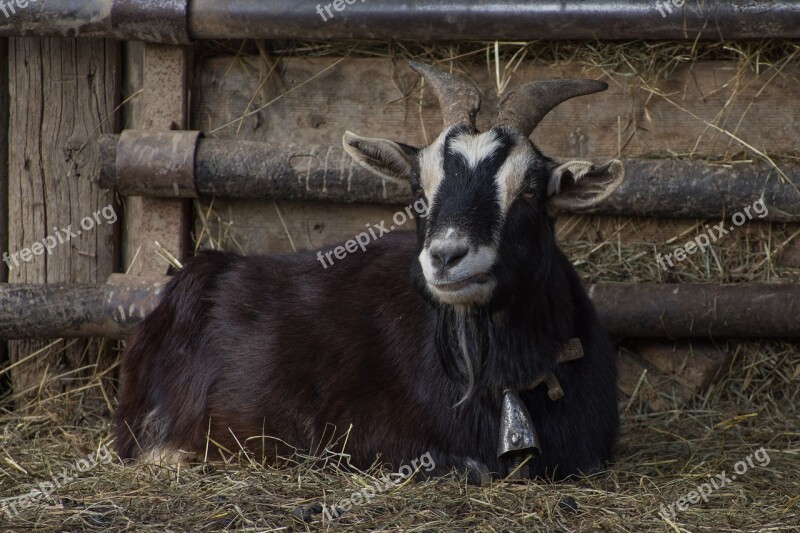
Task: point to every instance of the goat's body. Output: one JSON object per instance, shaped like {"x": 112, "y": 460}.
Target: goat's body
{"x": 277, "y": 346}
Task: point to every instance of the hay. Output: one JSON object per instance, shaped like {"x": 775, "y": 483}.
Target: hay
{"x": 660, "y": 457}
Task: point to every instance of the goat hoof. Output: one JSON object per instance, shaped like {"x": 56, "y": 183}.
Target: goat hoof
{"x": 306, "y": 513}
{"x": 568, "y": 505}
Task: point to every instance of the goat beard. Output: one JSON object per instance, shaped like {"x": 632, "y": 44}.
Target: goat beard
{"x": 464, "y": 337}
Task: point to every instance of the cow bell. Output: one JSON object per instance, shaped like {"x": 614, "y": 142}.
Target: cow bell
{"x": 518, "y": 437}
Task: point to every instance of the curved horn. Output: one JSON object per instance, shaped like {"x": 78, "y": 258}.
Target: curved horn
{"x": 524, "y": 107}
{"x": 458, "y": 98}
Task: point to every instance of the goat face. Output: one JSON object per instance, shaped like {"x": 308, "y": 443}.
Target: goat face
{"x": 487, "y": 192}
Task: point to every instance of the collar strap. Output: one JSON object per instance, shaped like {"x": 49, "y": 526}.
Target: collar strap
{"x": 572, "y": 350}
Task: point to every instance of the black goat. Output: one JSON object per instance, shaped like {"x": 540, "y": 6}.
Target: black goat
{"x": 277, "y": 353}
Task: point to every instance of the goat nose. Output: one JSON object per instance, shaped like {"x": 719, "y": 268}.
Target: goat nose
{"x": 446, "y": 255}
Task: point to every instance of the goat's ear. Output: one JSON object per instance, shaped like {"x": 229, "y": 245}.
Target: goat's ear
{"x": 386, "y": 158}
{"x": 579, "y": 184}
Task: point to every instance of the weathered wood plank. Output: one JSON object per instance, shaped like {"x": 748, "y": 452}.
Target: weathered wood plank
{"x": 665, "y": 375}
{"x": 665, "y": 188}
{"x": 246, "y": 226}
{"x": 107, "y": 309}
{"x": 153, "y": 224}
{"x": 63, "y": 92}
{"x": 255, "y": 228}
{"x": 317, "y": 99}
{"x": 3, "y": 184}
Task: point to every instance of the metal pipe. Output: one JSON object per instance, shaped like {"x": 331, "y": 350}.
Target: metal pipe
{"x": 156, "y": 21}
{"x": 448, "y": 20}
{"x": 133, "y": 164}
{"x": 685, "y": 310}
{"x": 179, "y": 21}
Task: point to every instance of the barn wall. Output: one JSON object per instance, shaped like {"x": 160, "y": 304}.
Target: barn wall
{"x": 684, "y": 111}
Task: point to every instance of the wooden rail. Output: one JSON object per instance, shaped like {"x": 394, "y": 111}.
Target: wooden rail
{"x": 176, "y": 164}
{"x": 647, "y": 310}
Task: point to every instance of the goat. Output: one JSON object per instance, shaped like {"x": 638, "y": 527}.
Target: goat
{"x": 411, "y": 347}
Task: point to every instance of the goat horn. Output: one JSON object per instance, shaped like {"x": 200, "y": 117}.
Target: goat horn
{"x": 524, "y": 107}
{"x": 458, "y": 98}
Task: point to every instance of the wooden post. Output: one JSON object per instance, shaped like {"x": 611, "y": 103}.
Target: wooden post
{"x": 63, "y": 93}
{"x": 153, "y": 224}
{"x": 3, "y": 185}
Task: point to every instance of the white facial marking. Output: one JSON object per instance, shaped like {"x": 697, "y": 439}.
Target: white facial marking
{"x": 469, "y": 281}
{"x": 511, "y": 176}
{"x": 475, "y": 148}
{"x": 431, "y": 169}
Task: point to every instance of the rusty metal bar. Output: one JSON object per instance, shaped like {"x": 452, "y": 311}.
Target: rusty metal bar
{"x": 242, "y": 169}
{"x": 158, "y": 21}
{"x": 176, "y": 21}
{"x": 447, "y": 20}
{"x": 690, "y": 310}
{"x": 158, "y": 164}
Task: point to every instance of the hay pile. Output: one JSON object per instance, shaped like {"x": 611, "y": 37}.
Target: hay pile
{"x": 661, "y": 457}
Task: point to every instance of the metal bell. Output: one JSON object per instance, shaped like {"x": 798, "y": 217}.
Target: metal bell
{"x": 518, "y": 437}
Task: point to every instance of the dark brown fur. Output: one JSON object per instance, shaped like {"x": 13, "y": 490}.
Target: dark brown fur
{"x": 279, "y": 346}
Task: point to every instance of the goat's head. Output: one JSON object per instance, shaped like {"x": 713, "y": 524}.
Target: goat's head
{"x": 487, "y": 192}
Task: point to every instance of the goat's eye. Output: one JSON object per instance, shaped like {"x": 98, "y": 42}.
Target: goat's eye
{"x": 416, "y": 188}
{"x": 529, "y": 192}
